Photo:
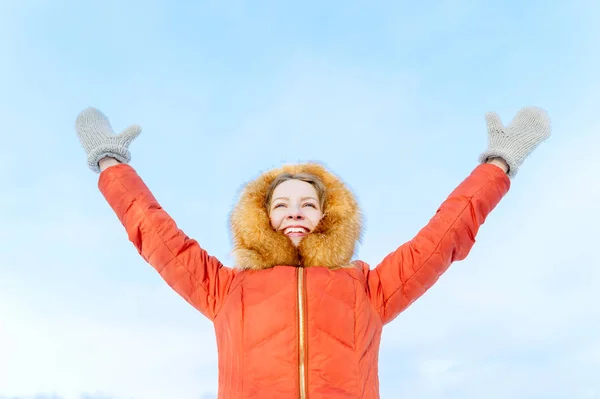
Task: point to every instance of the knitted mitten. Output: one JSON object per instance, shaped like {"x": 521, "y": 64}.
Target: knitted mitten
{"x": 513, "y": 143}
{"x": 99, "y": 140}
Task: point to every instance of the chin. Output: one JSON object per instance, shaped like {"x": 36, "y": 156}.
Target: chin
{"x": 296, "y": 240}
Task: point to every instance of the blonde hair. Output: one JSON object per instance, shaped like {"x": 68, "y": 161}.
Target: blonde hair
{"x": 302, "y": 176}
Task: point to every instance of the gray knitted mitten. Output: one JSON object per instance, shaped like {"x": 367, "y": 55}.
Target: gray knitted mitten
{"x": 513, "y": 143}
{"x": 99, "y": 140}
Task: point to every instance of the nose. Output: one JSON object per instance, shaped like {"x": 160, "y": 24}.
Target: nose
{"x": 295, "y": 214}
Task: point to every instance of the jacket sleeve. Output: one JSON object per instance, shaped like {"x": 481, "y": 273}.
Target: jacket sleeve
{"x": 198, "y": 277}
{"x": 408, "y": 272}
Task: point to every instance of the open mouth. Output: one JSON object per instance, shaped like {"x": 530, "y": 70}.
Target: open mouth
{"x": 295, "y": 231}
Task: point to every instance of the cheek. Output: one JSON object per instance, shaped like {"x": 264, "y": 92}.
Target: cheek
{"x": 314, "y": 217}
{"x": 275, "y": 219}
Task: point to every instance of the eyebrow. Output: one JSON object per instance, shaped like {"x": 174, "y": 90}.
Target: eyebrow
{"x": 287, "y": 198}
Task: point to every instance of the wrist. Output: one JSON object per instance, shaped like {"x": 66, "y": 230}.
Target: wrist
{"x": 107, "y": 162}
{"x": 499, "y": 162}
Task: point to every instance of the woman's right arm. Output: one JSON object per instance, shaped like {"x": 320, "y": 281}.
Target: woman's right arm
{"x": 198, "y": 277}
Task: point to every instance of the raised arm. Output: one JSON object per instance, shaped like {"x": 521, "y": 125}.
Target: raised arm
{"x": 186, "y": 267}
{"x": 408, "y": 272}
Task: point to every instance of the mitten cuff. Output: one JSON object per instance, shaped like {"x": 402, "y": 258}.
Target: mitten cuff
{"x": 119, "y": 152}
{"x": 513, "y": 166}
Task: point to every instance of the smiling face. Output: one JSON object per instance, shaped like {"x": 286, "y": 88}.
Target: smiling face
{"x": 295, "y": 209}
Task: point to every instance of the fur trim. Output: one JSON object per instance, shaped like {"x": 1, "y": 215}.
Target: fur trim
{"x": 256, "y": 245}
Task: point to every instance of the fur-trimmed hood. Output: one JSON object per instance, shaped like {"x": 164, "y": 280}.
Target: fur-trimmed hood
{"x": 256, "y": 245}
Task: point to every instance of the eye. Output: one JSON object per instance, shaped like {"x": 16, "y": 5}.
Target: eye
{"x": 278, "y": 205}
{"x": 310, "y": 204}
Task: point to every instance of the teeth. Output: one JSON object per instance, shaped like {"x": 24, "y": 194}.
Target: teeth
{"x": 294, "y": 230}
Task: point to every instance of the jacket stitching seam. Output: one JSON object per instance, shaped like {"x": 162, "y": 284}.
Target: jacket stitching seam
{"x": 177, "y": 260}
{"x": 468, "y": 202}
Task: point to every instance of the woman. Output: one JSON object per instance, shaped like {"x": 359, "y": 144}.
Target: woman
{"x": 297, "y": 317}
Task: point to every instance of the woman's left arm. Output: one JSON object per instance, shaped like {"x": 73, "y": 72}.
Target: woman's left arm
{"x": 408, "y": 272}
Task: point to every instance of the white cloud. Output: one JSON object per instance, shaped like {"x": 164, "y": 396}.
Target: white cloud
{"x": 123, "y": 347}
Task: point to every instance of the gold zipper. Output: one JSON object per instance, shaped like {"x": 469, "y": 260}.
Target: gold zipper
{"x": 302, "y": 340}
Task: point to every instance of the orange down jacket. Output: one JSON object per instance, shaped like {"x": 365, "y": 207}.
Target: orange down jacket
{"x": 300, "y": 322}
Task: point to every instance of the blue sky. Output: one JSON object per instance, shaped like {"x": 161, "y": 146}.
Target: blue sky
{"x": 390, "y": 95}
